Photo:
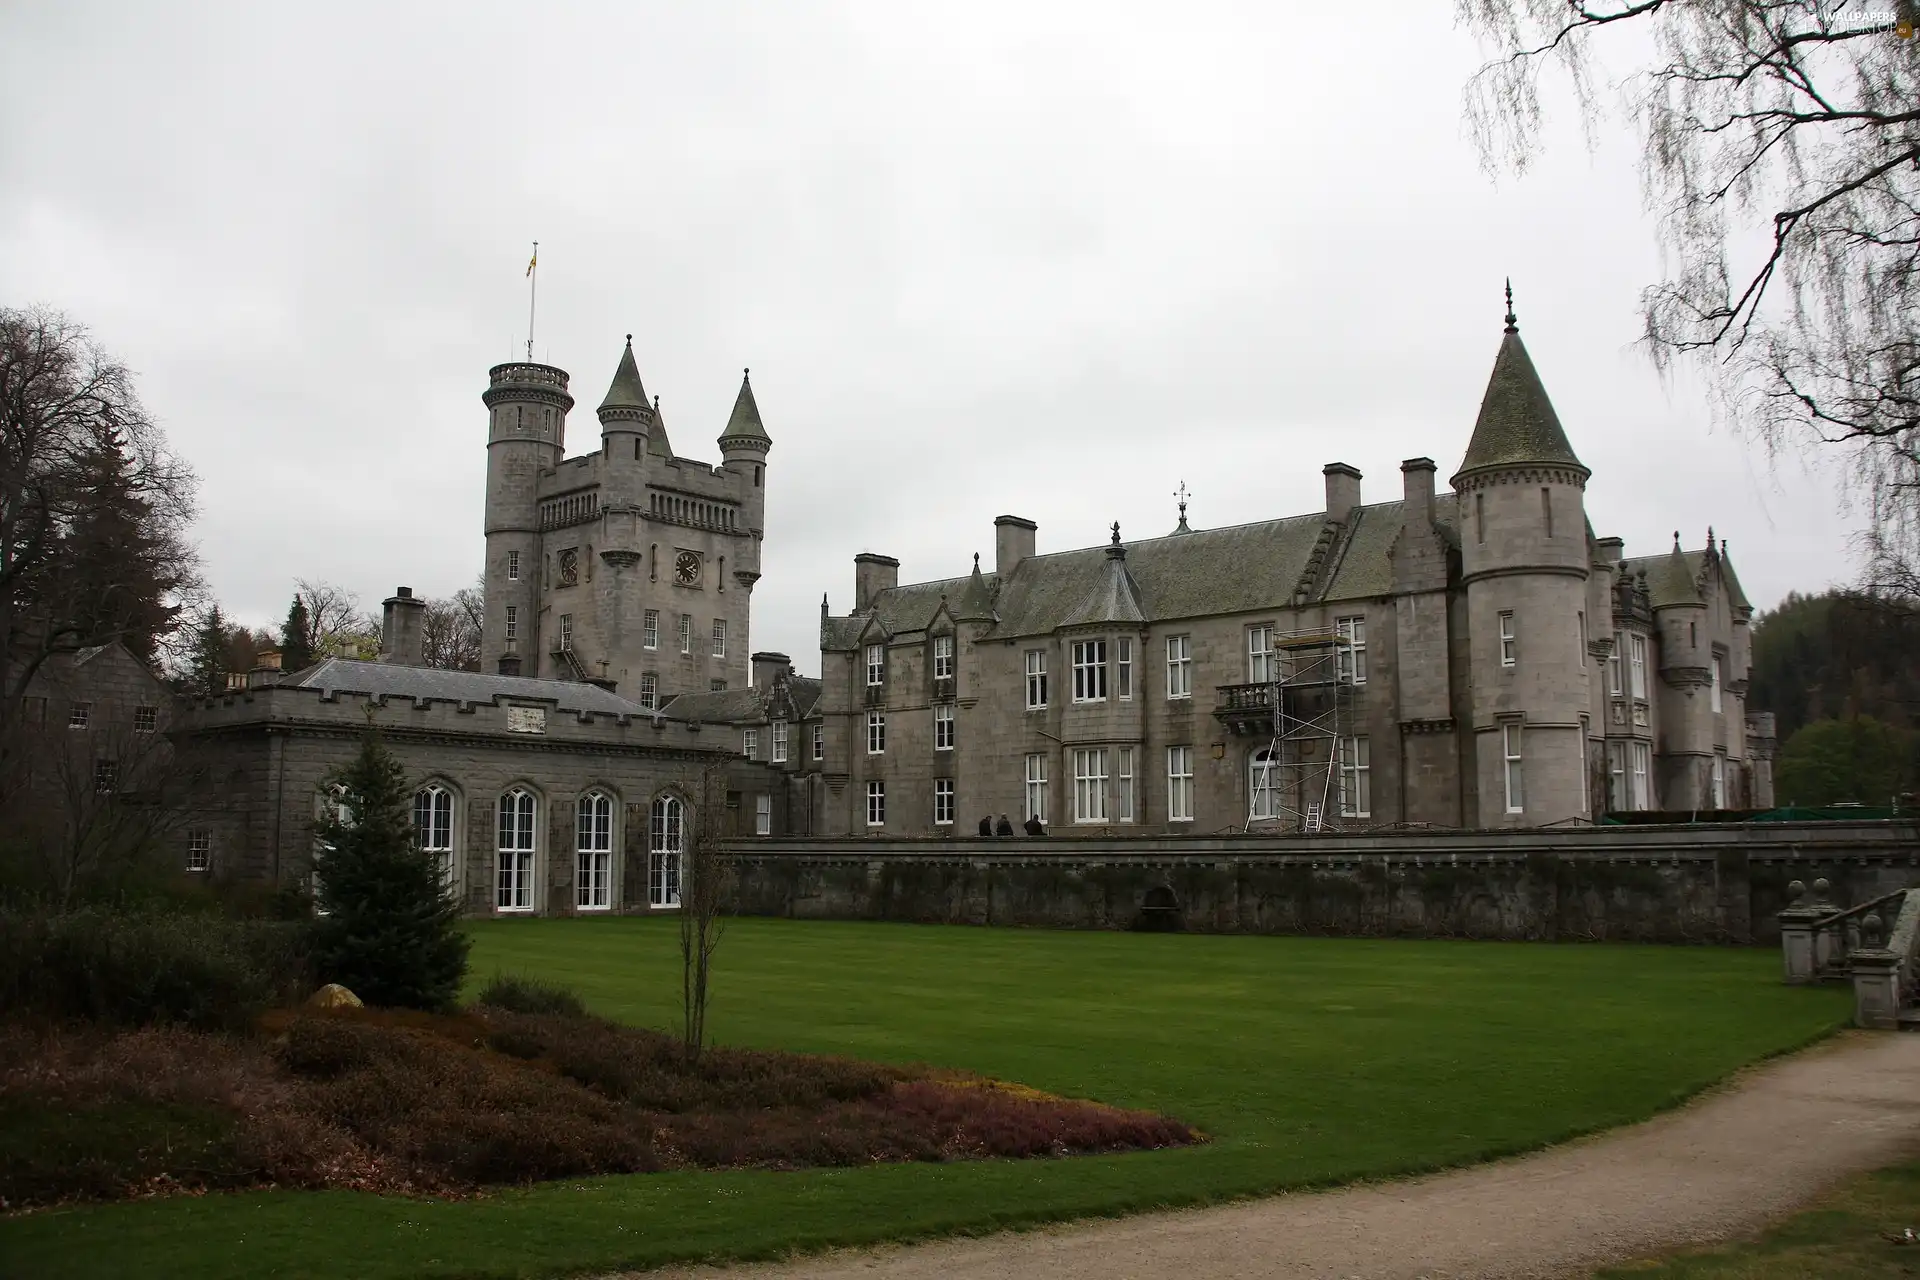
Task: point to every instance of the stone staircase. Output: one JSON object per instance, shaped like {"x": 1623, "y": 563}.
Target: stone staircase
{"x": 1874, "y": 945}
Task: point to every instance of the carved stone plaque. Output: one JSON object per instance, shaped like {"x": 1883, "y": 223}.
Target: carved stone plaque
{"x": 526, "y": 719}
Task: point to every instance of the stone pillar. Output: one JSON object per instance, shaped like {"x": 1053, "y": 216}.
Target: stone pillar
{"x": 1876, "y": 979}
{"x": 1796, "y": 937}
{"x": 1827, "y": 943}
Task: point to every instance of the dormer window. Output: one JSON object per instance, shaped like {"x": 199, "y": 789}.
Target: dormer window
{"x": 943, "y": 657}
{"x": 876, "y": 665}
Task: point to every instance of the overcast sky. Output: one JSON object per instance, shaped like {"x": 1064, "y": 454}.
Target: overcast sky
{"x": 1042, "y": 259}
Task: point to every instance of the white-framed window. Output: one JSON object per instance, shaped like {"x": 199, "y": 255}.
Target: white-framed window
{"x": 876, "y": 803}
{"x": 763, "y": 815}
{"x": 1615, "y": 662}
{"x": 649, "y": 691}
{"x": 1719, "y": 782}
{"x": 1263, "y": 785}
{"x": 199, "y": 851}
{"x": 1509, "y": 644}
{"x": 1089, "y": 784}
{"x": 1123, "y": 668}
{"x": 433, "y": 826}
{"x": 1123, "y": 784}
{"x": 876, "y": 665}
{"x": 1637, "y": 664}
{"x": 943, "y": 657}
{"x": 1179, "y": 666}
{"x": 566, "y": 632}
{"x": 876, "y": 733}
{"x": 779, "y": 741}
{"x": 79, "y": 714}
{"x": 1260, "y": 667}
{"x": 513, "y": 622}
{"x": 1617, "y": 793}
{"x": 105, "y": 774}
{"x": 513, "y": 566}
{"x": 1036, "y": 679}
{"x": 686, "y": 633}
{"x": 1642, "y": 754}
{"x": 719, "y": 637}
{"x": 650, "y": 630}
{"x": 1356, "y": 778}
{"x": 146, "y": 719}
{"x": 666, "y": 844}
{"x": 1179, "y": 784}
{"x": 593, "y": 852}
{"x": 514, "y": 836}
{"x": 943, "y": 802}
{"x": 1037, "y": 787}
{"x": 1510, "y": 745}
{"x": 1089, "y": 670}
{"x": 1714, "y": 689}
{"x": 943, "y": 727}
{"x": 1350, "y": 656}
{"x": 819, "y": 742}
{"x": 750, "y": 744}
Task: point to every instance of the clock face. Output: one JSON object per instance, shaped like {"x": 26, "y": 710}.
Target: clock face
{"x": 686, "y": 568}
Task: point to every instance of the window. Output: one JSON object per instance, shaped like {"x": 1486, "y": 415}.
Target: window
{"x": 763, "y": 815}
{"x": 1582, "y": 655}
{"x": 943, "y": 727}
{"x": 1642, "y": 775}
{"x": 876, "y": 665}
{"x": 1719, "y": 782}
{"x": 1714, "y": 689}
{"x": 513, "y": 566}
{"x": 1614, "y": 662}
{"x": 1123, "y": 668}
{"x": 1179, "y": 666}
{"x": 1179, "y": 784}
{"x": 1479, "y": 517}
{"x": 1260, "y": 668}
{"x": 686, "y": 633}
{"x": 1123, "y": 784}
{"x": 566, "y": 633}
{"x": 1036, "y": 679}
{"x": 876, "y": 804}
{"x": 943, "y": 802}
{"x": 666, "y": 842}
{"x": 514, "y": 846}
{"x": 1637, "y": 664}
{"x": 79, "y": 715}
{"x": 1356, "y": 778}
{"x": 750, "y": 744}
{"x": 1037, "y": 787}
{"x": 1510, "y": 749}
{"x": 593, "y": 852}
{"x": 719, "y": 637}
{"x": 146, "y": 719}
{"x": 779, "y": 741}
{"x": 105, "y": 774}
{"x": 1507, "y": 644}
{"x": 1350, "y": 658}
{"x": 433, "y": 827}
{"x": 1617, "y": 776}
{"x": 1090, "y": 784}
{"x": 819, "y": 742}
{"x": 199, "y": 851}
{"x": 876, "y": 733}
{"x": 1546, "y": 508}
{"x": 649, "y": 691}
{"x": 650, "y": 630}
{"x": 1263, "y": 786}
{"x": 1089, "y": 670}
{"x": 716, "y": 686}
{"x": 513, "y": 623}
{"x": 943, "y": 657}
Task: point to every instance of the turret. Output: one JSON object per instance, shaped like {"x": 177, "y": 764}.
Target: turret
{"x": 527, "y": 407}
{"x": 743, "y": 452}
{"x": 1525, "y": 560}
{"x": 625, "y": 419}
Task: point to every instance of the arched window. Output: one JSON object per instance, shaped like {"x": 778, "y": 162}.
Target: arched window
{"x": 515, "y": 849}
{"x": 433, "y": 827}
{"x": 1263, "y": 786}
{"x": 666, "y": 841}
{"x": 593, "y": 851}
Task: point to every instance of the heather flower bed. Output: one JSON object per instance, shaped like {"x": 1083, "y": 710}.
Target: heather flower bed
{"x": 447, "y": 1104}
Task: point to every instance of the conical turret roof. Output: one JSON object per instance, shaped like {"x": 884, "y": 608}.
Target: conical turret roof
{"x": 626, "y": 391}
{"x": 1117, "y": 596}
{"x": 976, "y": 602}
{"x": 1517, "y": 425}
{"x": 1672, "y": 582}
{"x": 744, "y": 423}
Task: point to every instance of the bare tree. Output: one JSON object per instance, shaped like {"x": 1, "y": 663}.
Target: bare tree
{"x": 1783, "y": 163}
{"x": 706, "y": 891}
{"x": 336, "y": 625}
{"x": 450, "y": 631}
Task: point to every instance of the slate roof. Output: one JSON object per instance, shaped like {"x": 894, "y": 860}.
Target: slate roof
{"x": 1672, "y": 579}
{"x": 378, "y": 679}
{"x": 1517, "y": 423}
{"x": 744, "y": 423}
{"x": 744, "y": 706}
{"x": 1366, "y": 562}
{"x": 626, "y": 391}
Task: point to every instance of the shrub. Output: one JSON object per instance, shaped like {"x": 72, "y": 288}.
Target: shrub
{"x": 135, "y": 968}
{"x": 518, "y": 994}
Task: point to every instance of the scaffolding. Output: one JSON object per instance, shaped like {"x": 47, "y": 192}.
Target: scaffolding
{"x": 1296, "y": 782}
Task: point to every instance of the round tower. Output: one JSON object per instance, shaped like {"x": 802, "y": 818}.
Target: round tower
{"x": 743, "y": 451}
{"x": 626, "y": 418}
{"x": 527, "y": 408}
{"x": 1521, "y": 516}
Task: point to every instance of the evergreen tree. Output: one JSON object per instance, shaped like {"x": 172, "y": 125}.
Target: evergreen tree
{"x": 390, "y": 933}
{"x": 116, "y": 565}
{"x": 207, "y": 675}
{"x": 296, "y": 638}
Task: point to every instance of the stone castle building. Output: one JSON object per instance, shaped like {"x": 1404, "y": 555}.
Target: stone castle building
{"x": 1473, "y": 658}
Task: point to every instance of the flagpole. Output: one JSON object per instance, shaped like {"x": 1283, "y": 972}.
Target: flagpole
{"x": 533, "y": 295}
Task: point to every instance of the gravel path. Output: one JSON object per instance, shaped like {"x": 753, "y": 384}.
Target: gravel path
{"x": 1722, "y": 1167}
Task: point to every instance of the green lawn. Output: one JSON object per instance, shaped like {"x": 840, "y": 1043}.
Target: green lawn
{"x": 1309, "y": 1060}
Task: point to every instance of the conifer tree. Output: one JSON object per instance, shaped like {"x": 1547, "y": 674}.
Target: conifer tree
{"x": 296, "y": 638}
{"x": 207, "y": 675}
{"x": 117, "y": 565}
{"x": 390, "y": 929}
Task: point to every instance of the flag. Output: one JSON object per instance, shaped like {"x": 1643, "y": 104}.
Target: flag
{"x": 534, "y": 261}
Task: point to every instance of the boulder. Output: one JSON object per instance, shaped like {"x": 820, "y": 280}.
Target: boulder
{"x": 333, "y": 996}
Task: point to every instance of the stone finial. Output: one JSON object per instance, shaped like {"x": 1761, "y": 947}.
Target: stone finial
{"x": 1822, "y": 887}
{"x": 1873, "y": 932}
{"x": 1796, "y": 892}
{"x": 1513, "y": 324}
{"x": 1116, "y": 533}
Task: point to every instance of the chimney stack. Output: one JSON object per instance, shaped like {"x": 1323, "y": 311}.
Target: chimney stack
{"x": 400, "y": 618}
{"x": 1416, "y": 479}
{"x": 1343, "y": 490}
{"x": 769, "y": 667}
{"x": 1012, "y": 543}
{"x": 872, "y": 574}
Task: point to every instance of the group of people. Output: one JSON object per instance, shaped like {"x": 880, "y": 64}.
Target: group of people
{"x": 988, "y": 827}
